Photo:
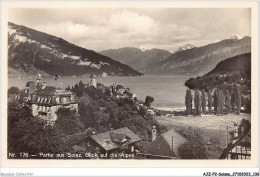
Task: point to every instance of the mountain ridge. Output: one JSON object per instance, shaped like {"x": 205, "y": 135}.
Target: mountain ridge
{"x": 200, "y": 60}
{"x": 55, "y": 55}
{"x": 236, "y": 69}
{"x": 136, "y": 57}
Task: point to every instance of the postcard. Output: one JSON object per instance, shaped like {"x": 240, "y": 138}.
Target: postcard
{"x": 129, "y": 84}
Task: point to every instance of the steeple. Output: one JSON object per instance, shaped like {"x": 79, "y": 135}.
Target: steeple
{"x": 93, "y": 80}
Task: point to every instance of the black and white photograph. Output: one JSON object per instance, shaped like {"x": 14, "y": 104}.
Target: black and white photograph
{"x": 129, "y": 83}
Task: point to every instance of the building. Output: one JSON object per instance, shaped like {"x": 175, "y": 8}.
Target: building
{"x": 239, "y": 148}
{"x": 46, "y": 100}
{"x": 104, "y": 74}
{"x": 150, "y": 111}
{"x": 118, "y": 141}
{"x": 163, "y": 147}
{"x": 93, "y": 80}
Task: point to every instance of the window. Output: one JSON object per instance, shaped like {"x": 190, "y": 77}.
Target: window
{"x": 57, "y": 100}
{"x": 71, "y": 98}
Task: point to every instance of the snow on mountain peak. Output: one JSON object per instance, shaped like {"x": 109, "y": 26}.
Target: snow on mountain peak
{"x": 185, "y": 47}
{"x": 143, "y": 48}
{"x": 235, "y": 37}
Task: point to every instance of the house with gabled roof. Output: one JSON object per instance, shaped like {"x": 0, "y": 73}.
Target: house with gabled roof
{"x": 164, "y": 147}
{"x": 239, "y": 147}
{"x": 121, "y": 140}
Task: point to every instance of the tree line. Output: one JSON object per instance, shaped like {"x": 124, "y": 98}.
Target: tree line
{"x": 216, "y": 101}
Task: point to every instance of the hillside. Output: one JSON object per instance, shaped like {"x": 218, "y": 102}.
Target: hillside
{"x": 137, "y": 58}
{"x": 232, "y": 70}
{"x": 30, "y": 50}
{"x": 200, "y": 60}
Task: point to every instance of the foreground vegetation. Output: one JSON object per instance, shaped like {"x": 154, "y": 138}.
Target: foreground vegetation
{"x": 98, "y": 109}
{"x": 230, "y": 81}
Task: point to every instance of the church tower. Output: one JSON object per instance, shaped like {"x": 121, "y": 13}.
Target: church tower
{"x": 93, "y": 80}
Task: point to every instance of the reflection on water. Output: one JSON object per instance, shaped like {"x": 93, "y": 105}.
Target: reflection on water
{"x": 168, "y": 91}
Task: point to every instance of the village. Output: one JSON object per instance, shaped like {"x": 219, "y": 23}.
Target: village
{"x": 122, "y": 143}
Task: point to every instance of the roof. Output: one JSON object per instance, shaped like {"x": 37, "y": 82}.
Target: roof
{"x": 51, "y": 90}
{"x": 117, "y": 137}
{"x": 89, "y": 131}
{"x": 162, "y": 146}
{"x": 109, "y": 140}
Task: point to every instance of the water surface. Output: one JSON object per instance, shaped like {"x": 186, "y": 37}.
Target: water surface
{"x": 168, "y": 91}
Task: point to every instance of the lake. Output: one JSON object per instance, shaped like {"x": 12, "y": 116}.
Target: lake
{"x": 168, "y": 91}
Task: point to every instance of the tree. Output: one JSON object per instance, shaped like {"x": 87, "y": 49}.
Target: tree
{"x": 228, "y": 102}
{"x": 28, "y": 134}
{"x": 203, "y": 101}
{"x": 238, "y": 98}
{"x": 197, "y": 102}
{"x": 68, "y": 88}
{"x": 148, "y": 100}
{"x": 194, "y": 148}
{"x": 233, "y": 99}
{"x": 68, "y": 123}
{"x": 221, "y": 101}
{"x": 188, "y": 102}
{"x": 209, "y": 101}
{"x": 13, "y": 90}
{"x": 216, "y": 101}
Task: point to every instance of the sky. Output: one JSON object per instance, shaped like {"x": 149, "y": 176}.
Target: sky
{"x": 164, "y": 28}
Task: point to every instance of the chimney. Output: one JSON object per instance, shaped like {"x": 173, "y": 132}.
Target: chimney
{"x": 154, "y": 133}
{"x": 43, "y": 85}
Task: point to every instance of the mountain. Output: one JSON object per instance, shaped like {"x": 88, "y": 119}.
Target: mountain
{"x": 200, "y": 60}
{"x": 137, "y": 58}
{"x": 31, "y": 51}
{"x": 227, "y": 72}
{"x": 235, "y": 37}
{"x": 185, "y": 47}
{"x": 143, "y": 48}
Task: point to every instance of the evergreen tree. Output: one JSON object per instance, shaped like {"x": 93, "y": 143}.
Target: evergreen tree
{"x": 188, "y": 102}
{"x": 233, "y": 99}
{"x": 209, "y": 101}
{"x": 203, "y": 101}
{"x": 197, "y": 102}
{"x": 199, "y": 108}
{"x": 221, "y": 101}
{"x": 148, "y": 100}
{"x": 228, "y": 102}
{"x": 216, "y": 100}
{"x": 238, "y": 98}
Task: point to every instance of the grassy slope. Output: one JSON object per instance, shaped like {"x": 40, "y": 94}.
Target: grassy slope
{"x": 212, "y": 126}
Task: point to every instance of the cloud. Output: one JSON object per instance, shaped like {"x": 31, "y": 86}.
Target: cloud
{"x": 101, "y": 29}
{"x": 131, "y": 22}
{"x": 123, "y": 25}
